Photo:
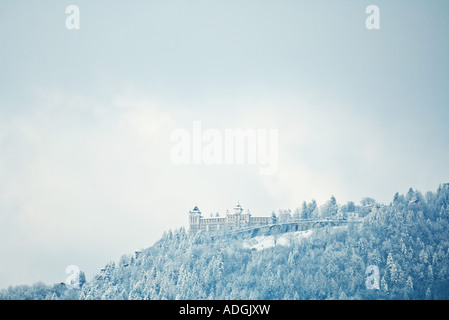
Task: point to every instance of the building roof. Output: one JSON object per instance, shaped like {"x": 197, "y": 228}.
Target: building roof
{"x": 195, "y": 210}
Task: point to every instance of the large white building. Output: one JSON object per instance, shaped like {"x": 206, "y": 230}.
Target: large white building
{"x": 234, "y": 220}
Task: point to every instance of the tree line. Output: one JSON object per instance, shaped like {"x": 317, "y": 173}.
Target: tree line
{"x": 407, "y": 240}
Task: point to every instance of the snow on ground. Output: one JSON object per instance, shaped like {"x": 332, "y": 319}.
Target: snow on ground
{"x": 285, "y": 239}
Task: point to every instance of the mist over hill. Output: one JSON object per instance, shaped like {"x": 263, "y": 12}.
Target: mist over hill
{"x": 406, "y": 243}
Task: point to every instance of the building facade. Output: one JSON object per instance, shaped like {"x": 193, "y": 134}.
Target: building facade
{"x": 233, "y": 220}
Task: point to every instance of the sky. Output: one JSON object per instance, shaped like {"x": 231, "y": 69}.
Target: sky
{"x": 86, "y": 116}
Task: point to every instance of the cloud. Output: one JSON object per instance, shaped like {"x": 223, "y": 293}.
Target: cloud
{"x": 88, "y": 177}
{"x": 81, "y": 173}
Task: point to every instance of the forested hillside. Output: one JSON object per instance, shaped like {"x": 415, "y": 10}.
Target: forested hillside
{"x": 407, "y": 240}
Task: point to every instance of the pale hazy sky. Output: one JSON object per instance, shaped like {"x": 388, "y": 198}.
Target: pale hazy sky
{"x": 86, "y": 115}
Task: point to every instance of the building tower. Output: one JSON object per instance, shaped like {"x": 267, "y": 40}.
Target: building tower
{"x": 194, "y": 219}
{"x": 238, "y": 209}
{"x": 237, "y": 219}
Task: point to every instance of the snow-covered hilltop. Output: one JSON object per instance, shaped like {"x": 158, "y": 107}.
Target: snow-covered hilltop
{"x": 406, "y": 241}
